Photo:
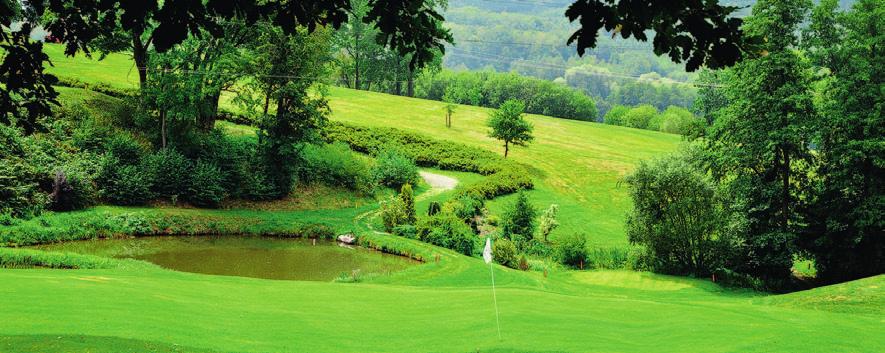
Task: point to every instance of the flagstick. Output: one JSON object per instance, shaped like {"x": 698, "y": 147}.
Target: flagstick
{"x": 495, "y": 298}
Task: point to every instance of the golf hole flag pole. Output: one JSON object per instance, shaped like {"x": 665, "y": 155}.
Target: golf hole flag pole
{"x": 487, "y": 256}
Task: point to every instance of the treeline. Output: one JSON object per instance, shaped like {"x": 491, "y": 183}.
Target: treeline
{"x": 491, "y": 89}
{"x": 673, "y": 120}
{"x": 792, "y": 167}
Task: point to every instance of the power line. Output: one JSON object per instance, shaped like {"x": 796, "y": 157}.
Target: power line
{"x": 510, "y": 61}
{"x": 558, "y": 46}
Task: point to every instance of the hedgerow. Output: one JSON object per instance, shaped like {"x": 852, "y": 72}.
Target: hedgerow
{"x": 503, "y": 176}
{"x": 94, "y": 225}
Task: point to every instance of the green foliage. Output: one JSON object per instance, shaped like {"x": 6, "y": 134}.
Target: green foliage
{"x": 71, "y": 190}
{"x": 205, "y": 187}
{"x": 677, "y": 218}
{"x": 433, "y": 208}
{"x": 27, "y": 258}
{"x": 171, "y": 171}
{"x": 125, "y": 149}
{"x": 759, "y": 146}
{"x": 334, "y": 164}
{"x": 394, "y": 168}
{"x": 547, "y": 223}
{"x": 503, "y": 177}
{"x": 393, "y": 213}
{"x": 847, "y": 214}
{"x": 505, "y": 253}
{"x": 519, "y": 220}
{"x": 571, "y": 250}
{"x": 491, "y": 89}
{"x": 20, "y": 195}
{"x": 447, "y": 230}
{"x": 639, "y": 117}
{"x": 509, "y": 125}
{"x": 123, "y": 184}
{"x": 615, "y": 116}
{"x": 408, "y": 201}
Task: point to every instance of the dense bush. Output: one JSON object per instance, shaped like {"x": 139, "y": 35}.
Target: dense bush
{"x": 71, "y": 190}
{"x": 505, "y": 253}
{"x": 171, "y": 172}
{"x": 393, "y": 213}
{"x": 407, "y": 196}
{"x": 676, "y": 217}
{"x": 125, "y": 149}
{"x": 447, "y": 230}
{"x": 571, "y": 250}
{"x": 205, "y": 187}
{"x": 334, "y": 164}
{"x": 122, "y": 184}
{"x": 236, "y": 157}
{"x": 615, "y": 116}
{"x": 491, "y": 89}
{"x": 640, "y": 116}
{"x": 519, "y": 221}
{"x": 503, "y": 177}
{"x": 394, "y": 168}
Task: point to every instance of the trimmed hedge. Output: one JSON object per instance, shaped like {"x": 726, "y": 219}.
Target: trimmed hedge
{"x": 97, "y": 87}
{"x": 503, "y": 176}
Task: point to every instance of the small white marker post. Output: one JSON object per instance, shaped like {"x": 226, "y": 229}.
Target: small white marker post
{"x": 487, "y": 256}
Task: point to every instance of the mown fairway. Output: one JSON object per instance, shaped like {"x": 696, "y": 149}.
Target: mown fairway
{"x": 441, "y": 306}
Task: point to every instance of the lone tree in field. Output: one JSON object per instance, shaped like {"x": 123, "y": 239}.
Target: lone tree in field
{"x": 509, "y": 125}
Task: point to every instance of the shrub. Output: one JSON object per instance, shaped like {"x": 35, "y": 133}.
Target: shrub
{"x": 125, "y": 149}
{"x": 571, "y": 250}
{"x": 523, "y": 263}
{"x": 548, "y": 222}
{"x": 393, "y": 213}
{"x": 334, "y": 164}
{"x": 71, "y": 191}
{"x": 504, "y": 253}
{"x": 406, "y": 230}
{"x": 677, "y": 120}
{"x": 205, "y": 189}
{"x": 124, "y": 184}
{"x": 639, "y": 117}
{"x": 408, "y": 201}
{"x": 433, "y": 208}
{"x": 447, "y": 230}
{"x": 236, "y": 158}
{"x": 171, "y": 170}
{"x": 615, "y": 116}
{"x": 676, "y": 216}
{"x": 20, "y": 195}
{"x": 393, "y": 168}
{"x": 519, "y": 220}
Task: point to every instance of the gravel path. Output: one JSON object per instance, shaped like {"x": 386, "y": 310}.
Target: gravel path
{"x": 440, "y": 182}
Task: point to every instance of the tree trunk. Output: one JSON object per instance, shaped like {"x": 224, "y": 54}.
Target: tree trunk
{"x": 163, "y": 128}
{"x": 139, "y": 54}
{"x": 410, "y": 87}
{"x": 506, "y": 148}
{"x": 209, "y": 112}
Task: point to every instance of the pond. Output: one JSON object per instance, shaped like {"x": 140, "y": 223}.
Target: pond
{"x": 257, "y": 257}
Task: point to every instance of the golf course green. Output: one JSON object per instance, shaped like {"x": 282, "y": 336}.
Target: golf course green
{"x": 444, "y": 304}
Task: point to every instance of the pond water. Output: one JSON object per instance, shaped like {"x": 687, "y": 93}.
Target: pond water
{"x": 258, "y": 257}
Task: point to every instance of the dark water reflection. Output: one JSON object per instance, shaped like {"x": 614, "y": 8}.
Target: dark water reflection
{"x": 271, "y": 258}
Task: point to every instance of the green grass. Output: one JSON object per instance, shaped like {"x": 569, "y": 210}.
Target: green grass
{"x": 578, "y": 164}
{"x": 445, "y": 305}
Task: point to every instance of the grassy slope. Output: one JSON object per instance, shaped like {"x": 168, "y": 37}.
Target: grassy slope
{"x": 444, "y": 306}
{"x": 578, "y": 164}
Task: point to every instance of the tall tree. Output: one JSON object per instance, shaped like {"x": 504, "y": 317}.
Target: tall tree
{"x": 847, "y": 233}
{"x": 508, "y": 124}
{"x": 760, "y": 143}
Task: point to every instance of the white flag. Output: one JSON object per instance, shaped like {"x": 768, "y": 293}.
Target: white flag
{"x": 487, "y": 252}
